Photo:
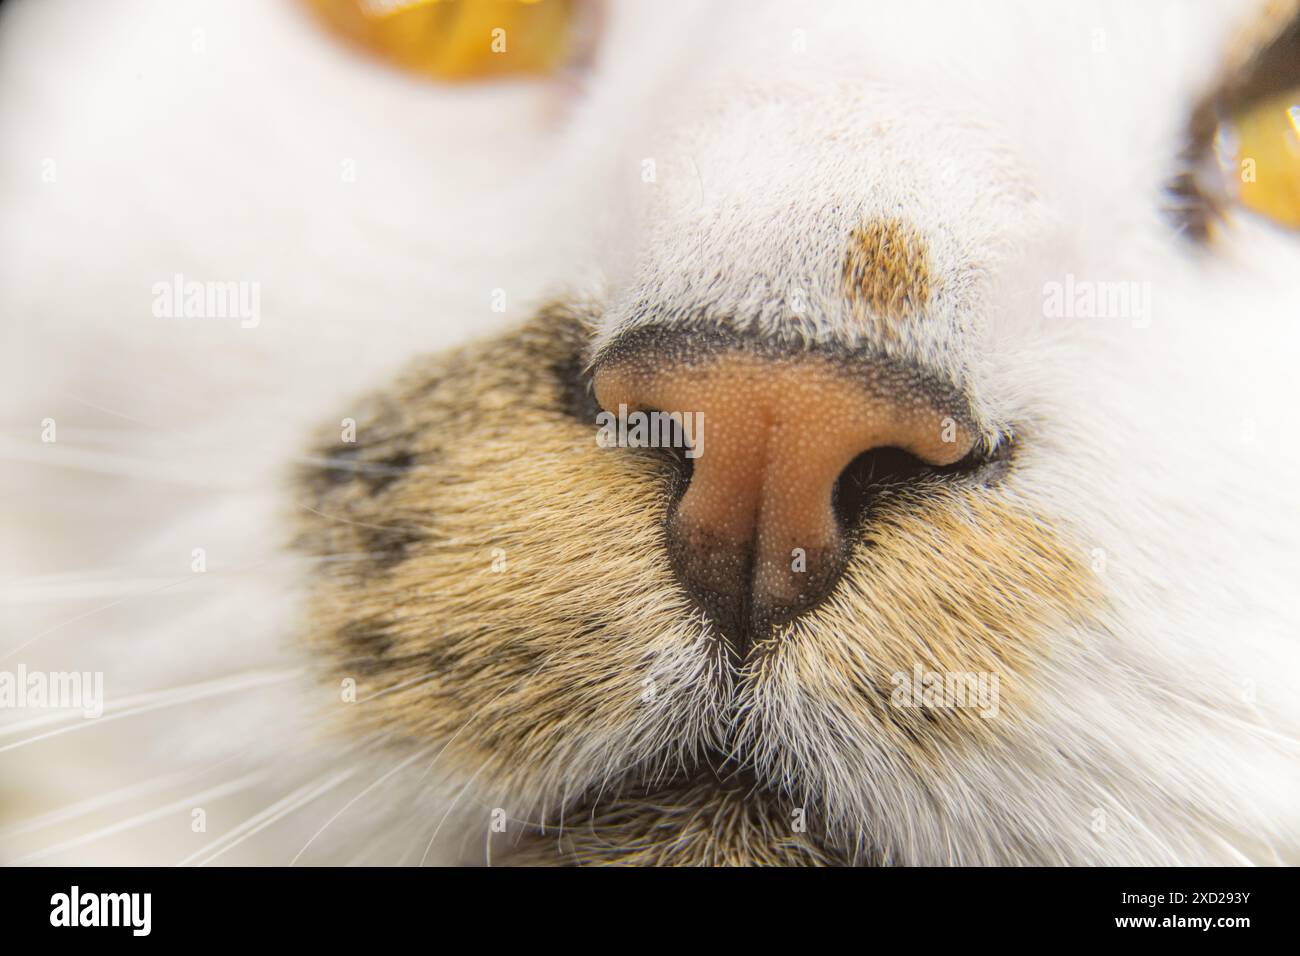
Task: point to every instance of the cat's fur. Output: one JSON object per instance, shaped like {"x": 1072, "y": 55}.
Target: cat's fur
{"x": 530, "y": 680}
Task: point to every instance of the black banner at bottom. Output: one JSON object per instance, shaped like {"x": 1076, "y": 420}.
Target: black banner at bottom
{"x": 336, "y": 906}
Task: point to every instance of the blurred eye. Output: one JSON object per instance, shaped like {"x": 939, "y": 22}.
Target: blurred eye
{"x": 1243, "y": 152}
{"x": 460, "y": 39}
{"x": 1257, "y": 152}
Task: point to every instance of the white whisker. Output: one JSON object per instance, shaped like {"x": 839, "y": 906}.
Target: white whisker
{"x": 73, "y": 620}
{"x": 177, "y": 806}
{"x": 260, "y": 821}
{"x": 83, "y": 807}
{"x": 39, "y": 590}
{"x": 143, "y": 703}
{"x": 85, "y": 585}
{"x": 405, "y": 763}
{"x": 108, "y": 411}
{"x": 63, "y": 456}
{"x": 452, "y": 806}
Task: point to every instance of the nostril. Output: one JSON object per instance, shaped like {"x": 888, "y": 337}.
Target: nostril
{"x": 877, "y": 471}
{"x": 868, "y": 476}
{"x": 672, "y": 447}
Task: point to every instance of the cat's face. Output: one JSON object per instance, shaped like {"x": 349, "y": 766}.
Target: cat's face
{"x": 988, "y": 553}
{"x": 1048, "y": 646}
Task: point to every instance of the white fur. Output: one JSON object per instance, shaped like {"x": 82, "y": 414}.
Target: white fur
{"x": 1018, "y": 148}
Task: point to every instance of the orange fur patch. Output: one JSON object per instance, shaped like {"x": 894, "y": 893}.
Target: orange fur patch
{"x": 886, "y": 273}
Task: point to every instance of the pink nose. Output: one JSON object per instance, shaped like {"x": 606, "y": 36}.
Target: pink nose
{"x": 755, "y": 536}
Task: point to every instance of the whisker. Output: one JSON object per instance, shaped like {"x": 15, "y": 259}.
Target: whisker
{"x": 88, "y": 584}
{"x": 450, "y": 807}
{"x": 63, "y": 456}
{"x": 272, "y": 814}
{"x": 143, "y": 703}
{"x": 216, "y": 573}
{"x": 109, "y": 411}
{"x": 186, "y": 803}
{"x": 105, "y": 607}
{"x": 405, "y": 763}
{"x": 49, "y": 588}
{"x": 452, "y": 739}
{"x": 83, "y": 807}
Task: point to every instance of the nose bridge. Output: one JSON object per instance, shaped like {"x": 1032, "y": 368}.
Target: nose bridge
{"x": 755, "y": 532}
{"x": 874, "y": 217}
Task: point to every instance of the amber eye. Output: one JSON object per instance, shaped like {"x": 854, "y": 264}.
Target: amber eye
{"x": 1257, "y": 152}
{"x": 1243, "y": 151}
{"x": 458, "y": 39}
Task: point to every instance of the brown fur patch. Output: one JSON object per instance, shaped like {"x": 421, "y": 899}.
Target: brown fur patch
{"x": 886, "y": 274}
{"x": 580, "y": 663}
{"x": 970, "y": 583}
{"x": 507, "y": 594}
{"x": 707, "y": 823}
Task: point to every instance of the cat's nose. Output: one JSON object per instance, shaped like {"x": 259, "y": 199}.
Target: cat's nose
{"x": 755, "y": 537}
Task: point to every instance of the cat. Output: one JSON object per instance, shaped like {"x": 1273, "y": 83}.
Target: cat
{"x": 363, "y": 586}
